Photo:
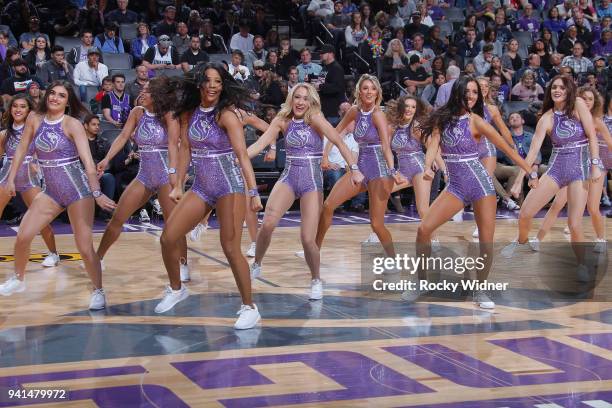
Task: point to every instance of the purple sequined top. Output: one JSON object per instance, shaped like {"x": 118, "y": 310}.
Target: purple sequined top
{"x": 566, "y": 130}
{"x": 150, "y": 132}
{"x": 365, "y": 131}
{"x": 457, "y": 138}
{"x": 12, "y": 141}
{"x": 486, "y": 114}
{"x": 302, "y": 140}
{"x": 608, "y": 121}
{"x": 51, "y": 143}
{"x": 403, "y": 142}
{"x": 205, "y": 133}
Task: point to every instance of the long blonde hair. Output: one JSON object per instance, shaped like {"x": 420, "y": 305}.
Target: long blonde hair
{"x": 286, "y": 110}
{"x": 402, "y": 51}
{"x": 374, "y": 80}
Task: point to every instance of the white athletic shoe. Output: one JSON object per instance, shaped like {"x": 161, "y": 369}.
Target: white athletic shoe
{"x": 566, "y": 231}
{"x": 600, "y": 245}
{"x": 458, "y": 217}
{"x": 372, "y": 238}
{"x": 475, "y": 233}
{"x": 299, "y": 254}
{"x": 255, "y": 270}
{"x": 534, "y": 243}
{"x": 98, "y": 300}
{"x": 251, "y": 251}
{"x": 197, "y": 232}
{"x": 508, "y": 250}
{"x": 171, "y": 298}
{"x": 143, "y": 216}
{"x": 12, "y": 285}
{"x": 512, "y": 205}
{"x": 52, "y": 259}
{"x": 185, "y": 277}
{"x": 316, "y": 289}
{"x": 483, "y": 300}
{"x": 157, "y": 210}
{"x": 248, "y": 317}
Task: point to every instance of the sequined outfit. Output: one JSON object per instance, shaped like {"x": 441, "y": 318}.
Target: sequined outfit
{"x": 152, "y": 141}
{"x": 485, "y": 147}
{"x": 26, "y": 178}
{"x": 569, "y": 161}
{"x": 371, "y": 161}
{"x": 409, "y": 150}
{"x": 604, "y": 152}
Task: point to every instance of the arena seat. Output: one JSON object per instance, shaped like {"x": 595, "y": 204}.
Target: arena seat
{"x": 117, "y": 61}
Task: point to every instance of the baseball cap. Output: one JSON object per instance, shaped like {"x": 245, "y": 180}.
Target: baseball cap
{"x": 94, "y": 50}
{"x": 327, "y": 48}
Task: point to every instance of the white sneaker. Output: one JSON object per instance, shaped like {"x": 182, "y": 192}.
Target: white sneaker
{"x": 582, "y": 274}
{"x": 605, "y": 201}
{"x": 509, "y": 249}
{"x": 248, "y": 317}
{"x": 12, "y": 285}
{"x": 600, "y": 245}
{"x": 372, "y": 238}
{"x": 52, "y": 259}
{"x": 185, "y": 273}
{"x": 171, "y": 298}
{"x": 475, "y": 233}
{"x": 251, "y": 251}
{"x": 534, "y": 243}
{"x": 143, "y": 216}
{"x": 512, "y": 205}
{"x": 255, "y": 270}
{"x": 299, "y": 254}
{"x": 458, "y": 217}
{"x": 566, "y": 231}
{"x": 197, "y": 232}
{"x": 483, "y": 300}
{"x": 157, "y": 210}
{"x": 98, "y": 300}
{"x": 316, "y": 289}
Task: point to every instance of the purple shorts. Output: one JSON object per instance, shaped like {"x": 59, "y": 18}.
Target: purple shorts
{"x": 411, "y": 164}
{"x": 606, "y": 156}
{"x": 153, "y": 168}
{"x": 25, "y": 179}
{"x": 371, "y": 163}
{"x": 486, "y": 148}
{"x": 569, "y": 164}
{"x": 303, "y": 175}
{"x": 468, "y": 180}
{"x": 216, "y": 175}
{"x": 65, "y": 180}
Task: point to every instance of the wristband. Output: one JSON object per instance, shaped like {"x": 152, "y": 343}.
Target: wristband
{"x": 392, "y": 171}
{"x": 253, "y": 192}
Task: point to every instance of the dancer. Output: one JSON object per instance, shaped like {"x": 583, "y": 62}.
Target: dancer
{"x": 59, "y": 143}
{"x": 593, "y": 101}
{"x": 569, "y": 123}
{"x": 156, "y": 132}
{"x": 301, "y": 121}
{"x": 212, "y": 136}
{"x": 27, "y": 183}
{"x": 456, "y": 128}
{"x": 375, "y": 162}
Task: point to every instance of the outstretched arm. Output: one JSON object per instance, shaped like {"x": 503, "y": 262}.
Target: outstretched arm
{"x": 501, "y": 125}
{"x": 269, "y": 137}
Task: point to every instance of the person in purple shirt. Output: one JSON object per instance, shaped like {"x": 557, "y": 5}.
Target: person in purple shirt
{"x": 435, "y": 12}
{"x": 604, "y": 9}
{"x": 603, "y": 47}
{"x": 527, "y": 22}
{"x": 452, "y": 73}
{"x": 554, "y": 22}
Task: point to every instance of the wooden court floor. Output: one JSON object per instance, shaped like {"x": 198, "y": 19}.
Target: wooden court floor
{"x": 352, "y": 349}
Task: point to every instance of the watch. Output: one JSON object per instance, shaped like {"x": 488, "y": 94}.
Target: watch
{"x": 533, "y": 175}
{"x": 253, "y": 192}
{"x": 354, "y": 166}
{"x": 272, "y": 147}
{"x": 596, "y": 162}
{"x": 96, "y": 193}
{"x": 171, "y": 170}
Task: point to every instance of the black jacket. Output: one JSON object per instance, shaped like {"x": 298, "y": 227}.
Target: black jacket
{"x": 332, "y": 90}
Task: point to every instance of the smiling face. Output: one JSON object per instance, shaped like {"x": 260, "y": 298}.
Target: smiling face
{"x": 210, "y": 90}
{"x": 145, "y": 97}
{"x": 19, "y": 110}
{"x": 368, "y": 93}
{"x": 484, "y": 87}
{"x": 471, "y": 94}
{"x": 300, "y": 102}
{"x": 409, "y": 110}
{"x": 589, "y": 99}
{"x": 57, "y": 99}
{"x": 558, "y": 91}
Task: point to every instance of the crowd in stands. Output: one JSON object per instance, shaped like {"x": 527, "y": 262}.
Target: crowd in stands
{"x": 110, "y": 48}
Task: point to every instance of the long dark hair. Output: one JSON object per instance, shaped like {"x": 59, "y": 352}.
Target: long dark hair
{"x": 570, "y": 99}
{"x": 7, "y": 117}
{"x": 233, "y": 94}
{"x": 456, "y": 106}
{"x": 74, "y": 107}
{"x": 163, "y": 95}
{"x": 395, "y": 108}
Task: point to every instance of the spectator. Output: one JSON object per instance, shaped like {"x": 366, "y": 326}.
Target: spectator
{"x": 372, "y": 51}
{"x": 272, "y": 40}
{"x": 348, "y": 7}
{"x": 425, "y": 54}
{"x": 108, "y": 41}
{"x": 38, "y": 55}
{"x": 527, "y": 22}
{"x": 549, "y": 43}
{"x": 555, "y": 23}
{"x": 19, "y": 82}
{"x": 468, "y": 48}
{"x": 435, "y": 42}
{"x": 601, "y": 73}
{"x": 260, "y": 26}
{"x": 490, "y": 37}
{"x": 16, "y": 14}
{"x": 211, "y": 43}
{"x": 228, "y": 28}
{"x": 395, "y": 61}
{"x": 588, "y": 11}
{"x": 161, "y": 56}
{"x": 134, "y": 88}
{"x": 533, "y": 64}
{"x": 307, "y": 68}
{"x": 330, "y": 84}
{"x": 540, "y": 50}
{"x": 320, "y": 8}
{"x": 293, "y": 77}
{"x": 482, "y": 62}
{"x": 366, "y": 15}
{"x": 57, "y": 68}
{"x": 257, "y": 52}
{"x": 91, "y": 17}
{"x": 90, "y": 72}
{"x": 503, "y": 90}
{"x": 337, "y": 21}
{"x": 236, "y": 69}
{"x": 356, "y": 31}
{"x": 121, "y": 15}
{"x": 431, "y": 91}
{"x": 242, "y": 40}
{"x": 168, "y": 24}
{"x": 527, "y": 90}
{"x": 78, "y": 54}
{"x": 116, "y": 104}
{"x": 415, "y": 26}
{"x": 438, "y": 64}
{"x": 382, "y": 23}
{"x": 416, "y": 77}
{"x": 452, "y": 73}
{"x": 434, "y": 10}
{"x": 194, "y": 22}
{"x": 96, "y": 102}
{"x": 68, "y": 25}
{"x": 288, "y": 56}
{"x": 272, "y": 63}
{"x": 603, "y": 47}
{"x": 511, "y": 60}
{"x": 501, "y": 27}
{"x": 270, "y": 89}
{"x": 194, "y": 55}
{"x": 34, "y": 32}
{"x": 567, "y": 43}
{"x": 577, "y": 61}
{"x": 181, "y": 39}
{"x": 555, "y": 63}
{"x": 6, "y": 69}
{"x": 143, "y": 41}
{"x": 581, "y": 23}
{"x": 604, "y": 9}
{"x": 98, "y": 149}
{"x": 4, "y": 44}
{"x": 406, "y": 8}
{"x": 470, "y": 23}
{"x": 34, "y": 93}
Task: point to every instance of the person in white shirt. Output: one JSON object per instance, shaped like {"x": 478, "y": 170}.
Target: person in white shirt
{"x": 90, "y": 72}
{"x": 238, "y": 71}
{"x": 242, "y": 40}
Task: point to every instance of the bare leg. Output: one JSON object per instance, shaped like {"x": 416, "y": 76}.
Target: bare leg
{"x": 484, "y": 212}
{"x": 281, "y": 199}
{"x": 81, "y": 214}
{"x": 168, "y": 206}
{"x": 186, "y": 215}
{"x": 553, "y": 213}
{"x": 41, "y": 212}
{"x": 134, "y": 197}
{"x": 534, "y": 202}
{"x": 441, "y": 210}
{"x": 593, "y": 200}
{"x": 378, "y": 192}
{"x": 251, "y": 220}
{"x": 46, "y": 232}
{"x": 576, "y": 201}
{"x": 343, "y": 190}
{"x": 422, "y": 191}
{"x": 310, "y": 208}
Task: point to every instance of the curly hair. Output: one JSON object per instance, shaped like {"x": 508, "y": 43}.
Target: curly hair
{"x": 395, "y": 108}
{"x": 232, "y": 95}
{"x": 163, "y": 95}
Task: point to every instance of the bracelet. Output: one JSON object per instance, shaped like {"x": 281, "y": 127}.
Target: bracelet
{"x": 272, "y": 147}
{"x": 392, "y": 171}
{"x": 253, "y": 192}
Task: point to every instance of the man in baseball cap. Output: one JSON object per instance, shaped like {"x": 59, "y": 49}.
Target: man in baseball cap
{"x": 162, "y": 56}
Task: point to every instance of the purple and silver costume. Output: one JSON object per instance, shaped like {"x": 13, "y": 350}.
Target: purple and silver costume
{"x": 304, "y": 149}
{"x": 409, "y": 150}
{"x": 152, "y": 141}
{"x": 604, "y": 152}
{"x": 25, "y": 178}
{"x": 371, "y": 161}
{"x": 468, "y": 180}
{"x": 569, "y": 161}
{"x": 485, "y": 147}
{"x": 63, "y": 173}
{"x": 214, "y": 161}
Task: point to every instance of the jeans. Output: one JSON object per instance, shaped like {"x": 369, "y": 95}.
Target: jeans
{"x": 107, "y": 185}
{"x": 331, "y": 177}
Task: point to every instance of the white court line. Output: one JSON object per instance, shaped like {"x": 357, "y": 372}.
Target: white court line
{"x": 598, "y": 404}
